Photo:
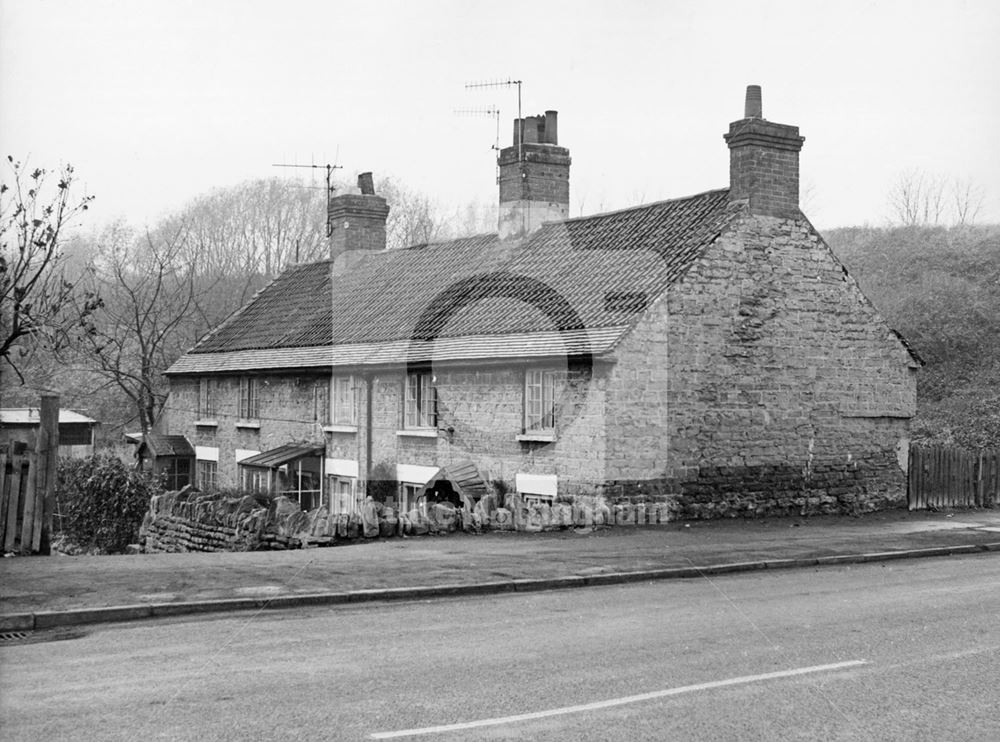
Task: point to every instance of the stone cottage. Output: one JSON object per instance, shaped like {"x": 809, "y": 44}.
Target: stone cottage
{"x": 707, "y": 353}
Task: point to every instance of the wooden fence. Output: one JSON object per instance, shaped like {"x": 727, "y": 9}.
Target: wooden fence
{"x": 951, "y": 477}
{"x": 22, "y": 504}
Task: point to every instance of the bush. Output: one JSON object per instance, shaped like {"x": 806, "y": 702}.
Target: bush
{"x": 101, "y": 502}
{"x": 382, "y": 486}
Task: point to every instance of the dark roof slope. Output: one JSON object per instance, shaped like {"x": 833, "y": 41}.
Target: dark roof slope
{"x": 591, "y": 272}
{"x": 166, "y": 445}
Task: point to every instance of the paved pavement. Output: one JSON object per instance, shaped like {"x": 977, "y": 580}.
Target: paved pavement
{"x": 39, "y": 592}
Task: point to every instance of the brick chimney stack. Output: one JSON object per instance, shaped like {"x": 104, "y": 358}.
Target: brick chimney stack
{"x": 534, "y": 177}
{"x": 357, "y": 220}
{"x": 764, "y": 161}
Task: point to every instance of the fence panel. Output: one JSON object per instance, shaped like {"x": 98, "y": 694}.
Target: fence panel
{"x": 20, "y": 503}
{"x": 951, "y": 477}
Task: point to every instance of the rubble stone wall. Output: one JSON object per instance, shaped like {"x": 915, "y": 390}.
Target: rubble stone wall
{"x": 190, "y": 521}
{"x": 766, "y": 384}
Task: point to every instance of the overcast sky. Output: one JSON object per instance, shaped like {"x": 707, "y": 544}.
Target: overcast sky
{"x": 156, "y": 102}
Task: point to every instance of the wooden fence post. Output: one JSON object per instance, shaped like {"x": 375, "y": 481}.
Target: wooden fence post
{"x": 47, "y": 459}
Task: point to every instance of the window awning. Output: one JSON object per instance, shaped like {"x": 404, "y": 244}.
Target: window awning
{"x": 283, "y": 454}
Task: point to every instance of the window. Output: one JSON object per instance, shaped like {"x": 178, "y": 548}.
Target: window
{"x": 321, "y": 402}
{"x": 176, "y": 473}
{"x": 421, "y": 401}
{"x": 206, "y": 398}
{"x": 343, "y": 401}
{"x": 340, "y": 495}
{"x": 208, "y": 475}
{"x": 408, "y": 496}
{"x": 253, "y": 479}
{"x": 74, "y": 434}
{"x": 541, "y": 392}
{"x": 249, "y": 402}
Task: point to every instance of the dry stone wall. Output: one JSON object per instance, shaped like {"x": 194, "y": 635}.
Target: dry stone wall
{"x": 190, "y": 521}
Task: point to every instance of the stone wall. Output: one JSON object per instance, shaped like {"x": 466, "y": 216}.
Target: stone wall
{"x": 188, "y": 521}
{"x": 481, "y": 413}
{"x": 764, "y": 384}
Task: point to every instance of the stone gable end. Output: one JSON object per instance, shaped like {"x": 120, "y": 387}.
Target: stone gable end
{"x": 764, "y": 382}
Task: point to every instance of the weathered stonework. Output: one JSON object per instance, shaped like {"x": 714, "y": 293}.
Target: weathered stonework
{"x": 763, "y": 383}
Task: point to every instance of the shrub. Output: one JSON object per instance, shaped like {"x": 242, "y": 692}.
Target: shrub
{"x": 101, "y": 502}
{"x": 383, "y": 485}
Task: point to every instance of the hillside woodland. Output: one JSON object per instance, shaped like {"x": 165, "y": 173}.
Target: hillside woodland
{"x": 940, "y": 288}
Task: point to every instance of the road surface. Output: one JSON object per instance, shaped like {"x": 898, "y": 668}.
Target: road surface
{"x": 905, "y": 650}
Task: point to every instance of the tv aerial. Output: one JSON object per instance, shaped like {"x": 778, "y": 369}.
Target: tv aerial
{"x": 330, "y": 187}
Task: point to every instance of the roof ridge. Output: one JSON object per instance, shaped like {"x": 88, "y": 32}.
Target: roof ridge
{"x": 662, "y": 202}
{"x": 442, "y": 243}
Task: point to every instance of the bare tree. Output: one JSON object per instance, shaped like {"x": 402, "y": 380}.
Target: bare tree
{"x": 918, "y": 198}
{"x": 414, "y": 219}
{"x": 145, "y": 320}
{"x": 968, "y": 200}
{"x": 255, "y": 228}
{"x": 37, "y": 305}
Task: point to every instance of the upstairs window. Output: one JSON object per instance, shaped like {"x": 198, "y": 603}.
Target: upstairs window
{"x": 249, "y": 407}
{"x": 206, "y": 398}
{"x": 321, "y": 402}
{"x": 421, "y": 401}
{"x": 344, "y": 412}
{"x": 541, "y": 393}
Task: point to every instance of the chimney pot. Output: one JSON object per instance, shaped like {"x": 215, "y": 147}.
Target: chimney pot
{"x": 367, "y": 184}
{"x": 754, "y": 107}
{"x": 531, "y": 129}
{"x": 551, "y": 130}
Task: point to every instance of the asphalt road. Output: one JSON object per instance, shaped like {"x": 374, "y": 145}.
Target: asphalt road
{"x": 889, "y": 651}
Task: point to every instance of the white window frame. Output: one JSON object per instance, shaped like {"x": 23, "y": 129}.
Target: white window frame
{"x": 343, "y": 408}
{"x": 542, "y": 388}
{"x": 249, "y": 400}
{"x": 254, "y": 479}
{"x": 211, "y": 469}
{"x": 420, "y": 402}
{"x": 206, "y": 397}
{"x": 338, "y": 501}
{"x": 321, "y": 402}
{"x": 408, "y": 496}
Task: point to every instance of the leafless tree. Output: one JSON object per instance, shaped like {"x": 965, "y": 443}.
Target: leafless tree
{"x": 36, "y": 294}
{"x": 968, "y": 200}
{"x": 414, "y": 219}
{"x": 918, "y": 198}
{"x": 255, "y": 228}
{"x": 146, "y": 320}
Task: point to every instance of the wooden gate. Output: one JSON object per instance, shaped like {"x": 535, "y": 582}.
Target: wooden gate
{"x": 951, "y": 477}
{"x": 21, "y": 504}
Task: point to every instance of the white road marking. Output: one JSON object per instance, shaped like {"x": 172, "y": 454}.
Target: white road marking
{"x": 745, "y": 679}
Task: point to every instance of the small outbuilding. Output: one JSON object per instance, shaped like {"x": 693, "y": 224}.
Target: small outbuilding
{"x": 76, "y": 431}
{"x": 169, "y": 456}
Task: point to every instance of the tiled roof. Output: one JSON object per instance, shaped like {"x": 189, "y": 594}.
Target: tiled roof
{"x": 589, "y": 278}
{"x": 167, "y": 445}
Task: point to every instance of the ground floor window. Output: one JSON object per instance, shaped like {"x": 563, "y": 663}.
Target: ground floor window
{"x": 176, "y": 473}
{"x": 208, "y": 475}
{"x": 408, "y": 496}
{"x": 341, "y": 494}
{"x": 253, "y": 479}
